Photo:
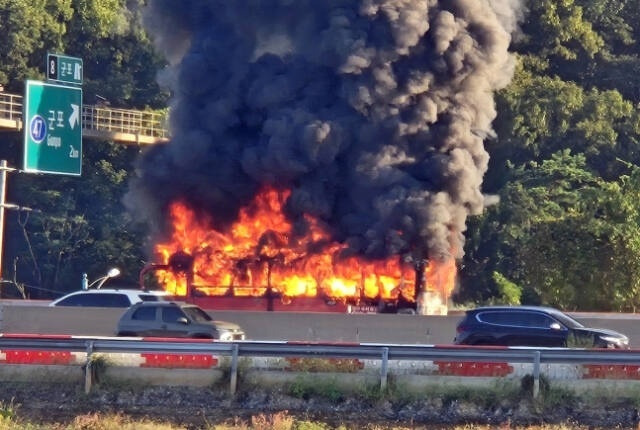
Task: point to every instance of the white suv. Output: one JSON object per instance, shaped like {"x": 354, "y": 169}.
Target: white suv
{"x": 109, "y": 298}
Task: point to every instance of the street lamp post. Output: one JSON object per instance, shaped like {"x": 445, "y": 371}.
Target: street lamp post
{"x": 112, "y": 273}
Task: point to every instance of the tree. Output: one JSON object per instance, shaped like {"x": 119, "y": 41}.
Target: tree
{"x": 81, "y": 225}
{"x": 28, "y": 29}
{"x": 540, "y": 115}
{"x": 119, "y": 59}
{"x": 568, "y": 238}
{"x": 558, "y": 29}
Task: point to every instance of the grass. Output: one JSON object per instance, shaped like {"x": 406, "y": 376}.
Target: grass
{"x": 501, "y": 395}
{"x": 89, "y": 422}
{"x": 306, "y": 388}
{"x": 274, "y": 421}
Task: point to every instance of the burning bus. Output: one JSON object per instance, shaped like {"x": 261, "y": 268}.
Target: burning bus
{"x": 324, "y": 155}
{"x": 261, "y": 264}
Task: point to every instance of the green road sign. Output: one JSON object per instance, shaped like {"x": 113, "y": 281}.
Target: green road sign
{"x": 52, "y": 129}
{"x": 64, "y": 69}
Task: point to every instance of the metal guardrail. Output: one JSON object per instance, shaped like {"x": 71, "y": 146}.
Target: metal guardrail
{"x": 11, "y": 108}
{"x": 371, "y": 351}
{"x": 124, "y": 125}
{"x": 323, "y": 350}
{"x": 128, "y": 126}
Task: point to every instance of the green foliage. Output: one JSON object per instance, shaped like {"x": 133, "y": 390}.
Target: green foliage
{"x": 28, "y": 29}
{"x": 509, "y": 293}
{"x": 556, "y": 223}
{"x": 306, "y": 387}
{"x": 490, "y": 396}
{"x": 568, "y": 237}
{"x": 559, "y": 28}
{"x": 344, "y": 365}
{"x": 527, "y": 382}
{"x": 97, "y": 365}
{"x": 82, "y": 225}
{"x": 547, "y": 114}
{"x": 8, "y": 411}
{"x": 310, "y": 425}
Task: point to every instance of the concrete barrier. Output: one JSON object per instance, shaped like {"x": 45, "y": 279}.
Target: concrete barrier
{"x": 382, "y": 328}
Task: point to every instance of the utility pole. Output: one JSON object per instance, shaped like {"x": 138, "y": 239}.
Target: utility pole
{"x": 4, "y": 205}
{"x": 3, "y": 192}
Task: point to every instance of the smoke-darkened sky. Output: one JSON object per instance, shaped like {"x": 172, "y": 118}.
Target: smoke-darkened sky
{"x": 372, "y": 112}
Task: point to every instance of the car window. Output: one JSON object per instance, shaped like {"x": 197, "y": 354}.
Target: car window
{"x": 567, "y": 320}
{"x": 144, "y": 313}
{"x": 77, "y": 300}
{"x": 107, "y": 300}
{"x": 197, "y": 314}
{"x": 517, "y": 319}
{"x": 148, "y": 297}
{"x": 536, "y": 319}
{"x": 171, "y": 314}
{"x": 502, "y": 318}
{"x": 113, "y": 300}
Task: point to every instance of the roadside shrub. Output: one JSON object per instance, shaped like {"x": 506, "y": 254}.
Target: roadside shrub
{"x": 8, "y": 410}
{"x": 244, "y": 364}
{"x": 98, "y": 366}
{"x": 342, "y": 365}
{"x": 305, "y": 388}
{"x": 527, "y": 381}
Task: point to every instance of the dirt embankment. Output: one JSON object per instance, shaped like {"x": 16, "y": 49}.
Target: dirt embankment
{"x": 198, "y": 408}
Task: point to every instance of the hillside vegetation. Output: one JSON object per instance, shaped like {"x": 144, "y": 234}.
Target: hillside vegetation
{"x": 564, "y": 160}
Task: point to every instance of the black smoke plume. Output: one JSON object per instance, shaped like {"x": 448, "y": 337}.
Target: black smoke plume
{"x": 372, "y": 112}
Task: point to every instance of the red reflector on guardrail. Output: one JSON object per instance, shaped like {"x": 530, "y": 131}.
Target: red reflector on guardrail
{"x": 37, "y": 357}
{"x": 186, "y": 361}
{"x": 456, "y": 368}
{"x": 611, "y": 371}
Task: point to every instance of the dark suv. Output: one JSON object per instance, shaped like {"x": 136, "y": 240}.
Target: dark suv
{"x": 532, "y": 326}
{"x": 171, "y": 319}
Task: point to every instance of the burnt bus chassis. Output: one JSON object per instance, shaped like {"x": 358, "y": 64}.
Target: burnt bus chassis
{"x": 182, "y": 263}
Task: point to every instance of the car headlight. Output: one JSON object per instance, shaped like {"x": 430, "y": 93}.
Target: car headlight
{"x": 226, "y": 336}
{"x": 615, "y": 340}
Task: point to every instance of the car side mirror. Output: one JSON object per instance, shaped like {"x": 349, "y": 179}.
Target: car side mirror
{"x": 182, "y": 320}
{"x": 555, "y": 326}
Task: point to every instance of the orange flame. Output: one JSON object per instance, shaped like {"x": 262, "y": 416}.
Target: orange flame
{"x": 260, "y": 250}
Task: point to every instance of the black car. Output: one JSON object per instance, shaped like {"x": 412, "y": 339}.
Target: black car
{"x": 532, "y": 326}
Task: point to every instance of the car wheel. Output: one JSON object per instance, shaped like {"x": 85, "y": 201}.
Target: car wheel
{"x": 406, "y": 311}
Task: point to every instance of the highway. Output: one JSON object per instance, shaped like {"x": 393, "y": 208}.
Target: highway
{"x": 23, "y": 317}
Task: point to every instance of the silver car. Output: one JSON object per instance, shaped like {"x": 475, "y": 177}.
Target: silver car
{"x": 172, "y": 319}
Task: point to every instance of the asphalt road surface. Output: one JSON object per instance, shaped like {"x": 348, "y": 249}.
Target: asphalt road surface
{"x": 314, "y": 327}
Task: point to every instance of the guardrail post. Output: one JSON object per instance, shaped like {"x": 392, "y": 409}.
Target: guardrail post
{"x": 384, "y": 368}
{"x": 536, "y": 374}
{"x": 233, "y": 383}
{"x": 88, "y": 369}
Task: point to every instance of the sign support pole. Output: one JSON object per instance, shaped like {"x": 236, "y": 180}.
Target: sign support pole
{"x": 3, "y": 193}
{"x": 3, "y": 205}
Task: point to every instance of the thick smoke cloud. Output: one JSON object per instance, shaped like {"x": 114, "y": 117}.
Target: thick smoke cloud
{"x": 372, "y": 112}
